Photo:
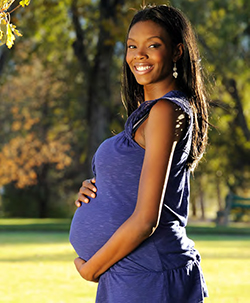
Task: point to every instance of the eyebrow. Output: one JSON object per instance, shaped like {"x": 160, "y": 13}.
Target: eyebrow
{"x": 148, "y": 38}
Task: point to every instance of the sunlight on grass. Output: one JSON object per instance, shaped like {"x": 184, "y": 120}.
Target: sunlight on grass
{"x": 38, "y": 267}
{"x": 225, "y": 263}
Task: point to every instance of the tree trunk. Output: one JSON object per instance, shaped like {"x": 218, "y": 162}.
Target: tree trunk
{"x": 99, "y": 82}
{"x": 193, "y": 207}
{"x": 201, "y": 198}
{"x": 231, "y": 86}
{"x": 219, "y": 198}
{"x": 44, "y": 191}
{"x": 3, "y": 57}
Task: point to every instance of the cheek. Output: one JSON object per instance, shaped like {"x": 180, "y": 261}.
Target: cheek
{"x": 128, "y": 58}
{"x": 161, "y": 57}
{"x": 165, "y": 62}
{"x": 129, "y": 62}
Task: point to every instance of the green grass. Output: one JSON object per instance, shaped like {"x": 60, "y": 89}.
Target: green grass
{"x": 226, "y": 264}
{"x": 37, "y": 266}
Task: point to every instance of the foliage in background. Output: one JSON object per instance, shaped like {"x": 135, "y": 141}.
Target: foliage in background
{"x": 224, "y": 37}
{"x": 60, "y": 98}
{"x": 36, "y": 103}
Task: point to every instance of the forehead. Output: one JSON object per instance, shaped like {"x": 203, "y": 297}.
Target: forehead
{"x": 147, "y": 29}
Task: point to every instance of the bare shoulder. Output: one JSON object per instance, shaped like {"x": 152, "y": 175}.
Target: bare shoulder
{"x": 163, "y": 114}
{"x": 166, "y": 117}
{"x": 164, "y": 108}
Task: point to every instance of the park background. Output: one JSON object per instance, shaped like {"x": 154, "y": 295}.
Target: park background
{"x": 60, "y": 98}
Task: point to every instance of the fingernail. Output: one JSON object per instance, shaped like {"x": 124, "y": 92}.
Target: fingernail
{"x": 92, "y": 195}
{"x": 86, "y": 200}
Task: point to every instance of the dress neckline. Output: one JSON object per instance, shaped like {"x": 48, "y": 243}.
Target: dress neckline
{"x": 170, "y": 94}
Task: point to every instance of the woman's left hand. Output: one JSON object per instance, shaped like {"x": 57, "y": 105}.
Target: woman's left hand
{"x": 81, "y": 268}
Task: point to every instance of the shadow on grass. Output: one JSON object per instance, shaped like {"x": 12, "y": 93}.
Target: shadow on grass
{"x": 35, "y": 224}
{"x": 210, "y": 229}
{"x": 63, "y": 225}
{"x": 47, "y": 257}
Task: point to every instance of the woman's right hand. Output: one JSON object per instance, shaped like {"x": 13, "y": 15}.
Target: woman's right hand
{"x": 88, "y": 190}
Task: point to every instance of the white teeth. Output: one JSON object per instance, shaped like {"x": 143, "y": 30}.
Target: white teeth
{"x": 142, "y": 68}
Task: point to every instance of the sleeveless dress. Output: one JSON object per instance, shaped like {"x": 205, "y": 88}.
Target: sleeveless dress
{"x": 165, "y": 268}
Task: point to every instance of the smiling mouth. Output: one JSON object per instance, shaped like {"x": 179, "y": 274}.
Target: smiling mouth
{"x": 143, "y": 68}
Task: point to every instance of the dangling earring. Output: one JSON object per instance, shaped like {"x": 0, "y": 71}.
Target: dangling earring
{"x": 175, "y": 74}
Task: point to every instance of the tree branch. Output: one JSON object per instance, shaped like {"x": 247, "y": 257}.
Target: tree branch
{"x": 78, "y": 44}
{"x": 231, "y": 87}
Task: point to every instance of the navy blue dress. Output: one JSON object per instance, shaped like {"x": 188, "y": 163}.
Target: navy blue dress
{"x": 165, "y": 268}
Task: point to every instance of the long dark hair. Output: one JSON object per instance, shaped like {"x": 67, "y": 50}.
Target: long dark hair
{"x": 190, "y": 74}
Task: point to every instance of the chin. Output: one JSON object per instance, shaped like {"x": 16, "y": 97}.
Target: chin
{"x": 143, "y": 82}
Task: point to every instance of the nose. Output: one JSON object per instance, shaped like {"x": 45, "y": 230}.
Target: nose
{"x": 140, "y": 54}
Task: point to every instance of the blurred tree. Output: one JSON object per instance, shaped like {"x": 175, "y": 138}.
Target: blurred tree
{"x": 224, "y": 35}
{"x": 95, "y": 55}
{"x": 51, "y": 106}
{"x": 35, "y": 142}
{"x": 36, "y": 137}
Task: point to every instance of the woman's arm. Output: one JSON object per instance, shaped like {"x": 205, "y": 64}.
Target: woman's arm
{"x": 160, "y": 141}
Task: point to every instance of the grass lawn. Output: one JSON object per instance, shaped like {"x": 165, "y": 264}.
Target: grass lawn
{"x": 37, "y": 266}
{"x": 226, "y": 266}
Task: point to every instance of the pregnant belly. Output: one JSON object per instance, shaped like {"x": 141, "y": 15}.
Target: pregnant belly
{"x": 94, "y": 223}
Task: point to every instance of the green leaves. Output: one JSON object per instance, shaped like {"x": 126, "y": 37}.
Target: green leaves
{"x": 10, "y": 37}
{"x": 8, "y": 31}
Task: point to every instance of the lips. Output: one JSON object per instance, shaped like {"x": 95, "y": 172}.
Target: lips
{"x": 142, "y": 69}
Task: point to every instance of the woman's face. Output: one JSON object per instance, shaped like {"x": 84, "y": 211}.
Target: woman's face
{"x": 150, "y": 54}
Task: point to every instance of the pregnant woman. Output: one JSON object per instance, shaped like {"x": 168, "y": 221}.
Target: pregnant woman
{"x": 129, "y": 228}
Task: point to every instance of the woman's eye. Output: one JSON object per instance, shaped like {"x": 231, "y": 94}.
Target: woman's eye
{"x": 154, "y": 45}
{"x": 131, "y": 46}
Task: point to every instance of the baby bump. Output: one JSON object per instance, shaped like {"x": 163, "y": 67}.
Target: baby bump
{"x": 94, "y": 223}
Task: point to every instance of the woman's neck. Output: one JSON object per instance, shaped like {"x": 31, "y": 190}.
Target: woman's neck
{"x": 155, "y": 90}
